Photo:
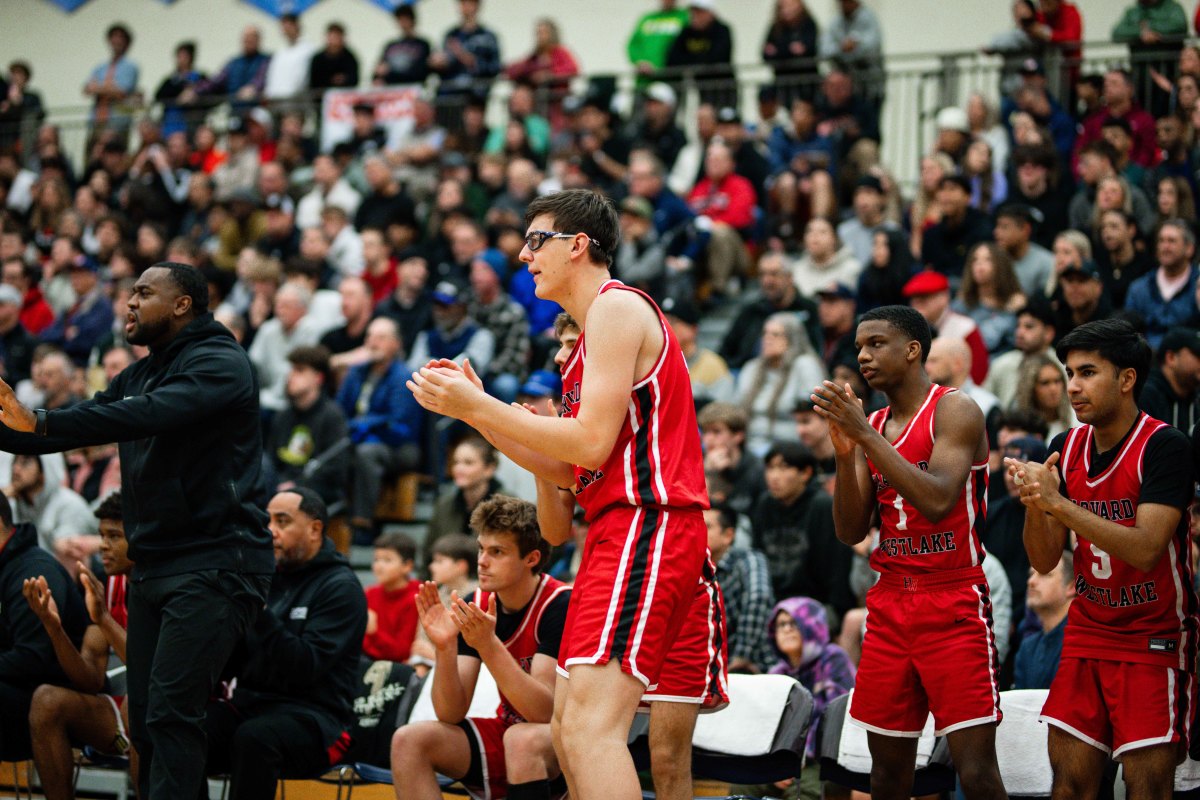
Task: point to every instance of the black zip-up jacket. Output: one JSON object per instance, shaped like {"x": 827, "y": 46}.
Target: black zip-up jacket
{"x": 303, "y": 649}
{"x": 27, "y": 657}
{"x": 187, "y": 422}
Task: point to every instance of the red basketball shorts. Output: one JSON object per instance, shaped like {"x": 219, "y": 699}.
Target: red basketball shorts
{"x": 928, "y": 646}
{"x": 1119, "y": 706}
{"x": 636, "y": 585}
{"x": 695, "y": 669}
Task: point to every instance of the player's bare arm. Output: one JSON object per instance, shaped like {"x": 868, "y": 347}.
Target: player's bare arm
{"x": 454, "y": 677}
{"x": 623, "y": 335}
{"x": 959, "y": 430}
{"x": 555, "y": 511}
{"x": 84, "y": 667}
{"x": 532, "y": 696}
{"x": 93, "y": 595}
{"x": 541, "y": 466}
{"x": 1044, "y": 536}
{"x": 1140, "y": 545}
{"x": 853, "y": 498}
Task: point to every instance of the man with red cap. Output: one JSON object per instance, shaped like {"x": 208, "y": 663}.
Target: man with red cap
{"x": 929, "y": 293}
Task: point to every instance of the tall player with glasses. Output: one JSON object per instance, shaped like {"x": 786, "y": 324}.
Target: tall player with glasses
{"x": 626, "y": 448}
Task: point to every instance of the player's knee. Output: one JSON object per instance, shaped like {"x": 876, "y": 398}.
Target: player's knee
{"x": 674, "y": 753}
{"x": 979, "y": 777}
{"x": 527, "y": 742}
{"x": 410, "y": 745}
{"x": 47, "y": 710}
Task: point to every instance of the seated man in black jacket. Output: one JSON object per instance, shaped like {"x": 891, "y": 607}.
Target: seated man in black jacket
{"x": 27, "y": 657}
{"x": 297, "y": 666}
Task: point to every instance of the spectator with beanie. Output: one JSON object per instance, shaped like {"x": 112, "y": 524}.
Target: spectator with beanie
{"x": 27, "y": 652}
{"x": 1170, "y": 393}
{"x": 929, "y": 293}
{"x": 946, "y": 243}
{"x": 385, "y": 421}
{"x": 297, "y": 668}
{"x": 304, "y": 442}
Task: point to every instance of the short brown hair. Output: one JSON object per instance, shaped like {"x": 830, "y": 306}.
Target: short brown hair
{"x": 582, "y": 211}
{"x": 564, "y": 321}
{"x": 457, "y": 547}
{"x": 727, "y": 414}
{"x": 399, "y": 543}
{"x": 500, "y": 514}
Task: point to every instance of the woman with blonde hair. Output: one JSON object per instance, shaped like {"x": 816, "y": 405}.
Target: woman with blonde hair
{"x": 924, "y": 211}
{"x": 1042, "y": 389}
{"x": 1112, "y": 192}
{"x": 768, "y": 387}
{"x": 1071, "y": 249}
{"x": 990, "y": 294}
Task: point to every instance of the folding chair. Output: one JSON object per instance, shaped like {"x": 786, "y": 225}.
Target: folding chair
{"x": 846, "y": 761}
{"x": 758, "y": 738}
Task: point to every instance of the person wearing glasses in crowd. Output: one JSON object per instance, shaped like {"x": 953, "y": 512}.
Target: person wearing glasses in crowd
{"x": 625, "y": 447}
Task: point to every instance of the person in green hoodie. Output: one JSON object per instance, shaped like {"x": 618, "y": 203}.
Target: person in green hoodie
{"x": 186, "y": 420}
{"x": 652, "y": 38}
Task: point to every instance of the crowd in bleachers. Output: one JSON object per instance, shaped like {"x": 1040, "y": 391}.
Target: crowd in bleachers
{"x": 765, "y": 231}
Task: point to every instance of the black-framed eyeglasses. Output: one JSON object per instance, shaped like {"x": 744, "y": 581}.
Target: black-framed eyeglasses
{"x": 534, "y": 240}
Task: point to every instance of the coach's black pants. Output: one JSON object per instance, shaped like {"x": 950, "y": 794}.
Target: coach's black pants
{"x": 182, "y": 630}
{"x": 257, "y": 747}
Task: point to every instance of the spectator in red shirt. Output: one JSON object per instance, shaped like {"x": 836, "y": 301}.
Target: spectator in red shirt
{"x": 722, "y": 195}
{"x": 1060, "y": 24}
{"x": 392, "y": 603}
{"x": 379, "y": 268}
{"x": 36, "y": 314}
{"x": 1119, "y": 102}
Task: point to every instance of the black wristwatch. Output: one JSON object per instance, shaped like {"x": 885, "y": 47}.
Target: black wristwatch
{"x": 39, "y": 422}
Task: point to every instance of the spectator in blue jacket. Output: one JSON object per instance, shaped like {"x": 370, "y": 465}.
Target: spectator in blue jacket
{"x": 1048, "y": 597}
{"x": 1177, "y": 274}
{"x": 385, "y": 421}
{"x": 244, "y": 76}
{"x": 87, "y": 320}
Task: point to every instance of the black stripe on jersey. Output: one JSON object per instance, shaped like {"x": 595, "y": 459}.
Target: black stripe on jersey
{"x": 641, "y": 446}
{"x": 638, "y": 569}
{"x": 717, "y": 601}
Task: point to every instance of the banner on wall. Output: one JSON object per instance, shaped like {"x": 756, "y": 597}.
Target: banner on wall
{"x": 277, "y": 8}
{"x": 68, "y": 5}
{"x": 393, "y": 112}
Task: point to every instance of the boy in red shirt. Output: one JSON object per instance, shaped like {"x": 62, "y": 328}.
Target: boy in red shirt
{"x": 391, "y": 603}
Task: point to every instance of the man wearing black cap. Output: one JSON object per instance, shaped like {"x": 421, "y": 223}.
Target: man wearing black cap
{"x": 1033, "y": 263}
{"x": 711, "y": 378}
{"x": 1083, "y": 298}
{"x": 88, "y": 318}
{"x": 946, "y": 244}
{"x": 1170, "y": 393}
{"x": 1039, "y": 185}
{"x": 747, "y": 160}
{"x": 455, "y": 334}
{"x": 705, "y": 49}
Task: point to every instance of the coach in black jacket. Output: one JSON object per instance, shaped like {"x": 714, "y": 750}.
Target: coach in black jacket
{"x": 297, "y": 671}
{"x": 187, "y": 421}
{"x": 27, "y": 657}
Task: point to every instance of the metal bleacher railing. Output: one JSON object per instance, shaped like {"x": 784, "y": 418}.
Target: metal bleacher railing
{"x": 912, "y": 88}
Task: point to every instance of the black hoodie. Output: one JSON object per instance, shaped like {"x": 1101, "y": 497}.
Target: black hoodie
{"x": 27, "y": 657}
{"x": 304, "y": 647}
{"x": 187, "y": 421}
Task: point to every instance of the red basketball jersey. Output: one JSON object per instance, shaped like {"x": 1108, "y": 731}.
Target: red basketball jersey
{"x": 1120, "y": 612}
{"x": 523, "y": 643}
{"x": 656, "y": 460}
{"x": 909, "y": 543}
{"x": 114, "y": 598}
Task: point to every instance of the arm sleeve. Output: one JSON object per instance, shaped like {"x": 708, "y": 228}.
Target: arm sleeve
{"x": 550, "y": 628}
{"x": 205, "y": 385}
{"x": 1167, "y": 477}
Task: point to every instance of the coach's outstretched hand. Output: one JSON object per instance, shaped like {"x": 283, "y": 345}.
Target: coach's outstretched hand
{"x": 12, "y": 413}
